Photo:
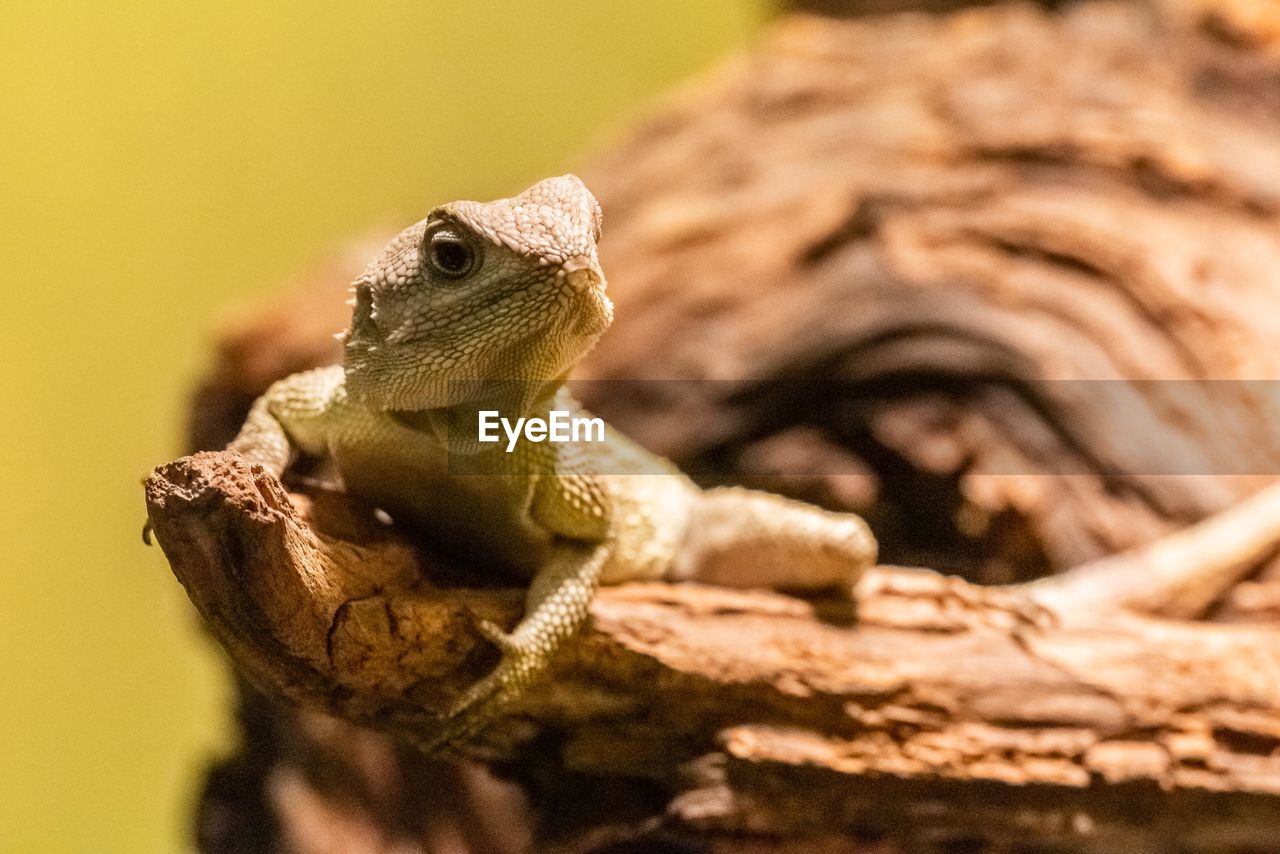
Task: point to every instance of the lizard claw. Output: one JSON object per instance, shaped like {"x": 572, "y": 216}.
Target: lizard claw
{"x": 499, "y": 637}
{"x": 485, "y": 700}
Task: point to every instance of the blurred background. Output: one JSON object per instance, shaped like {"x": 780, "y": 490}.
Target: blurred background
{"x": 160, "y": 164}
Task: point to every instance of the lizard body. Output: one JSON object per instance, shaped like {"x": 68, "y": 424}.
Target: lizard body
{"x": 488, "y": 306}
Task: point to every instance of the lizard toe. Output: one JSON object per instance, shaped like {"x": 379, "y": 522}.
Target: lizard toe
{"x": 499, "y": 637}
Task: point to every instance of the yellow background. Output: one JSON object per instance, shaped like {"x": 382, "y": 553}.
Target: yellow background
{"x": 158, "y": 163}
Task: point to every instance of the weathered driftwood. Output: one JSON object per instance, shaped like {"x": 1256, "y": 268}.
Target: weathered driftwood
{"x": 757, "y": 712}
{"x": 955, "y": 219}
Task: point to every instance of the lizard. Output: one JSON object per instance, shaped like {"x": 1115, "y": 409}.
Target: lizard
{"x": 488, "y": 306}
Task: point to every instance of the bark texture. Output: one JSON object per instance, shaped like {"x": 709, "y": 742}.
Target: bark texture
{"x": 892, "y": 257}
{"x": 938, "y": 712}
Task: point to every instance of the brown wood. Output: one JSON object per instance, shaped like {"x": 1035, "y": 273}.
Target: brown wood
{"x": 980, "y": 225}
{"x": 890, "y": 258}
{"x": 761, "y": 713}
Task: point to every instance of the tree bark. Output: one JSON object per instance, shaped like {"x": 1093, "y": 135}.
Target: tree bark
{"x": 760, "y": 713}
{"x": 899, "y": 265}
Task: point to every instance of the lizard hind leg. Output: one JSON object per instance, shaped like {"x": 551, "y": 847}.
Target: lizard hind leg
{"x": 555, "y": 609}
{"x": 744, "y": 538}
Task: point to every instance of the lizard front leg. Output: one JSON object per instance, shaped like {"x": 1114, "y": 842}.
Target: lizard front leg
{"x": 555, "y": 609}
{"x": 289, "y": 417}
{"x": 263, "y": 440}
{"x": 292, "y": 416}
{"x": 743, "y": 538}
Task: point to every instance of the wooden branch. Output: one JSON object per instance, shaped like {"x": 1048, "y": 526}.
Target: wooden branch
{"x": 1179, "y": 575}
{"x": 758, "y": 712}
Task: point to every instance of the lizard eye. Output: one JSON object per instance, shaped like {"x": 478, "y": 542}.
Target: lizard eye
{"x": 449, "y": 254}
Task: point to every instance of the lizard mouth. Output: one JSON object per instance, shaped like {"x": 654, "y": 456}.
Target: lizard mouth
{"x": 583, "y": 275}
{"x": 586, "y": 280}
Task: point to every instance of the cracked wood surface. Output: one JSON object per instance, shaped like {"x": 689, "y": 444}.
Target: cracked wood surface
{"x": 735, "y": 701}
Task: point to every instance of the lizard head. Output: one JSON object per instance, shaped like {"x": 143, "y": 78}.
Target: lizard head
{"x": 509, "y": 290}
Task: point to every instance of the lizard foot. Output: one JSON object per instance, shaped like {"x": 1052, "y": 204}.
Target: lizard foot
{"x": 556, "y": 608}
{"x": 485, "y": 701}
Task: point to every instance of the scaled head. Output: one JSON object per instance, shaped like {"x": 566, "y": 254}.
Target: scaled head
{"x": 504, "y": 290}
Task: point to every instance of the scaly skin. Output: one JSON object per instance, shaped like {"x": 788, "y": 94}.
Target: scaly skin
{"x": 488, "y": 306}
